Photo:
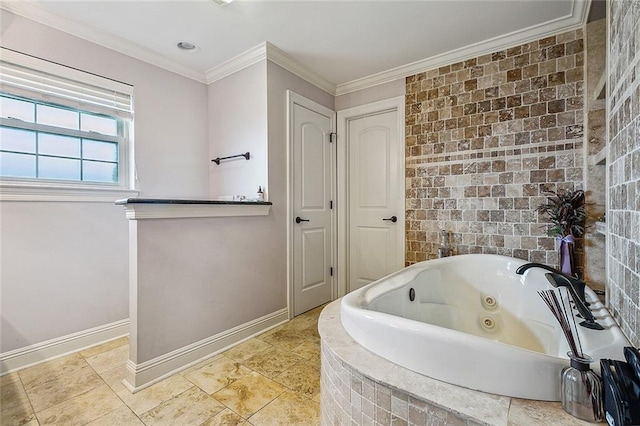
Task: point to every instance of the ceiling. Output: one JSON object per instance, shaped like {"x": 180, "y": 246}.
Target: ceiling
{"x": 340, "y": 42}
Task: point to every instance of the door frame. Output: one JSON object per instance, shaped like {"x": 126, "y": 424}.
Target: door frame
{"x": 292, "y": 99}
{"x": 343, "y": 117}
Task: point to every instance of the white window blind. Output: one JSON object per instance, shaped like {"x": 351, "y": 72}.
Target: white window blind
{"x": 65, "y": 134}
{"x": 34, "y": 78}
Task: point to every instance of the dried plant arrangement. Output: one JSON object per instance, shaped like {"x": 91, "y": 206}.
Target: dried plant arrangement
{"x": 567, "y": 214}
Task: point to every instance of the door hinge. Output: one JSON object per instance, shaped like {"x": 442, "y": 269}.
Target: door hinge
{"x": 331, "y": 271}
{"x": 333, "y": 137}
{"x": 330, "y": 204}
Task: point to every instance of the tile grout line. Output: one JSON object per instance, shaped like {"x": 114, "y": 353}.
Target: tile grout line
{"x": 304, "y": 335}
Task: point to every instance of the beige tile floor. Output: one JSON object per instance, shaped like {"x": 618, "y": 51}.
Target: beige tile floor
{"x": 272, "y": 379}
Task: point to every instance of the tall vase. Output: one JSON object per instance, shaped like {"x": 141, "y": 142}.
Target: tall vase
{"x": 565, "y": 254}
{"x": 581, "y": 390}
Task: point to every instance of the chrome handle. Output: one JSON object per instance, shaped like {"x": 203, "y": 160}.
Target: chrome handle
{"x": 298, "y": 219}
{"x": 393, "y": 219}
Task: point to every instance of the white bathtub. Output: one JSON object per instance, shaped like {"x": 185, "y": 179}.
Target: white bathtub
{"x": 474, "y": 323}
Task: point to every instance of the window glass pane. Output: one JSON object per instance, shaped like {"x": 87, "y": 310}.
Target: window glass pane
{"x": 95, "y": 171}
{"x": 17, "y": 165}
{"x": 95, "y": 123}
{"x": 58, "y": 117}
{"x": 97, "y": 150}
{"x": 58, "y": 168}
{"x": 14, "y": 108}
{"x": 62, "y": 146}
{"x": 17, "y": 140}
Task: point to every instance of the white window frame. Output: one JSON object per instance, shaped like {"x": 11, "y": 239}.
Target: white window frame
{"x": 35, "y": 189}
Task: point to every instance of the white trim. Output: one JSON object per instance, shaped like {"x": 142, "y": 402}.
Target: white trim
{"x": 278, "y": 57}
{"x": 55, "y": 348}
{"x": 268, "y": 51}
{"x": 398, "y": 104}
{"x": 237, "y": 63}
{"x": 137, "y": 211}
{"x": 40, "y": 192}
{"x": 36, "y": 13}
{"x": 145, "y": 374}
{"x": 573, "y": 21}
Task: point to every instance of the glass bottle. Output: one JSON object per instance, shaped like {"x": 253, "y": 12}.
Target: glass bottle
{"x": 581, "y": 389}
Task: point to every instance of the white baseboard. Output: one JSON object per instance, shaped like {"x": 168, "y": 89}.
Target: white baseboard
{"x": 18, "y": 359}
{"x": 145, "y": 374}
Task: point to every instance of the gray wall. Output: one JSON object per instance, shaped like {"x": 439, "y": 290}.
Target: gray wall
{"x": 237, "y": 124}
{"x": 279, "y": 81}
{"x": 65, "y": 264}
{"x": 200, "y": 277}
{"x": 372, "y": 94}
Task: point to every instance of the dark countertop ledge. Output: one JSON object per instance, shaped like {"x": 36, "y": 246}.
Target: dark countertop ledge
{"x": 180, "y": 201}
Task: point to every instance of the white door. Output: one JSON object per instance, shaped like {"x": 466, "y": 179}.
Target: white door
{"x": 376, "y": 198}
{"x": 311, "y": 218}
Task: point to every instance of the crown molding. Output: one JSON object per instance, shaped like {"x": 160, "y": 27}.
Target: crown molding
{"x": 237, "y": 63}
{"x": 278, "y": 57}
{"x": 268, "y": 51}
{"x": 575, "y": 20}
{"x": 38, "y": 14}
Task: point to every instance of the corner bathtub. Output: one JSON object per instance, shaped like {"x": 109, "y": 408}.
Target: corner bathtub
{"x": 474, "y": 323}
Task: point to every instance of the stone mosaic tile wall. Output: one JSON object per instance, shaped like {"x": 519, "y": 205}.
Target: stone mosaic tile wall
{"x": 349, "y": 398}
{"x": 485, "y": 138}
{"x": 623, "y": 162}
{"x": 595, "y": 178}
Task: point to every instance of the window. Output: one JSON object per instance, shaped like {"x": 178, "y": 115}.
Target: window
{"x": 40, "y": 141}
{"x": 62, "y": 128}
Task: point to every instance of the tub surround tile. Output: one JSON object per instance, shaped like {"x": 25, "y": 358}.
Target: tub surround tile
{"x": 623, "y": 156}
{"x": 524, "y": 411}
{"x": 362, "y": 387}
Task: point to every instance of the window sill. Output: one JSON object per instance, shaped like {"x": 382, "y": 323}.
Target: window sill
{"x": 66, "y": 193}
